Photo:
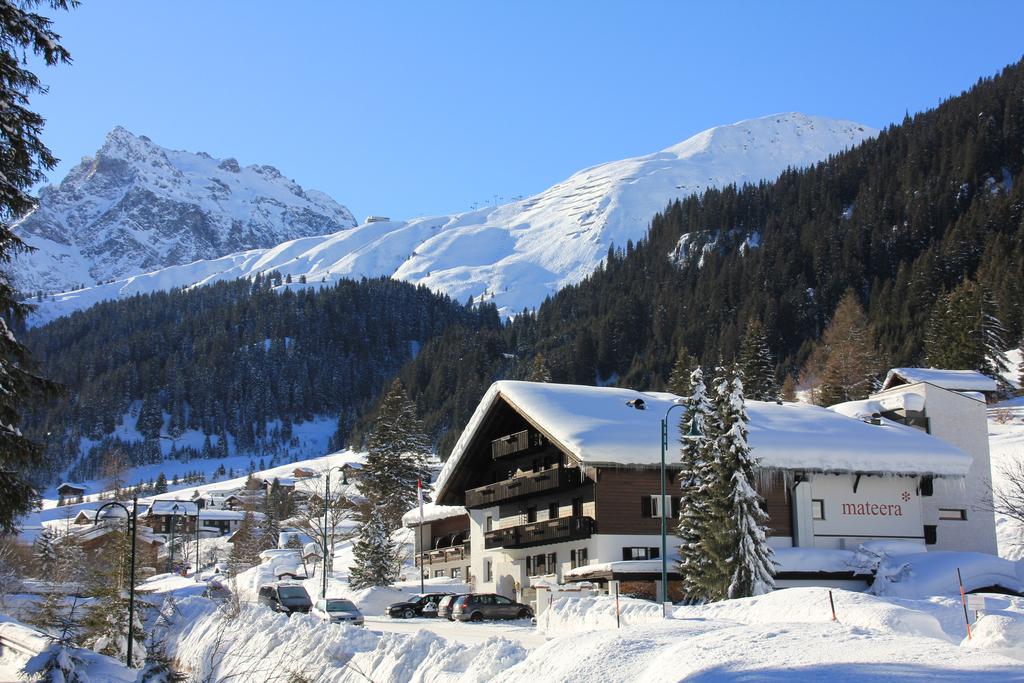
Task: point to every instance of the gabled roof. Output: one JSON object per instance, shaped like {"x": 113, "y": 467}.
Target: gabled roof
{"x": 186, "y": 508}
{"x": 597, "y": 427}
{"x": 954, "y": 380}
{"x": 71, "y": 485}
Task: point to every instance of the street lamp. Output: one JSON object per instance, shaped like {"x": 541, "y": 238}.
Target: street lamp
{"x": 133, "y": 519}
{"x": 661, "y": 507}
{"x": 170, "y": 553}
{"x": 327, "y": 509}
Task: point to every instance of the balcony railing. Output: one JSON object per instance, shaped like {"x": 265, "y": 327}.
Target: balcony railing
{"x": 540, "y": 533}
{"x": 447, "y": 554}
{"x": 551, "y": 479}
{"x": 519, "y": 443}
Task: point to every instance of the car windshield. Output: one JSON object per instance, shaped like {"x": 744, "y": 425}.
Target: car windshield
{"x": 291, "y": 592}
{"x": 340, "y": 606}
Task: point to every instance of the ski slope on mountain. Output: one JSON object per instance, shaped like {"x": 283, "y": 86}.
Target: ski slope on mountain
{"x": 517, "y": 254}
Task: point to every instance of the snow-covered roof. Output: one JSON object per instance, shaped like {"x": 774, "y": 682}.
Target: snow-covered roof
{"x": 597, "y": 426}
{"x": 71, "y": 485}
{"x": 186, "y": 508}
{"x": 220, "y": 514}
{"x": 954, "y": 380}
{"x": 432, "y": 512}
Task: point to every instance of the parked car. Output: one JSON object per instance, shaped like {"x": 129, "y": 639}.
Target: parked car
{"x": 422, "y": 605}
{"x": 480, "y": 606}
{"x": 285, "y": 597}
{"x": 444, "y": 606}
{"x": 337, "y": 611}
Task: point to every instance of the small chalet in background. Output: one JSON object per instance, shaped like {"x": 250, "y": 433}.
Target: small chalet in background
{"x": 960, "y": 381}
{"x": 164, "y": 512}
{"x": 69, "y": 493}
{"x": 442, "y": 542}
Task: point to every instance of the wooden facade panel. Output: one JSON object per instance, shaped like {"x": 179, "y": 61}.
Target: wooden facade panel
{"x": 618, "y": 498}
{"x": 778, "y": 505}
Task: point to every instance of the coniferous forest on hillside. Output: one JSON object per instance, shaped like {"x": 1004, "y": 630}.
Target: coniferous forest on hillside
{"x": 902, "y": 220}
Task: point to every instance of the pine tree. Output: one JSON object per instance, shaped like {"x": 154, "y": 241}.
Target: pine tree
{"x": 44, "y": 554}
{"x": 375, "y": 553}
{"x": 964, "y": 333}
{"x": 539, "y": 372}
{"x": 788, "y": 392}
{"x": 757, "y": 364}
{"x": 750, "y": 559}
{"x": 161, "y": 484}
{"x": 396, "y": 458}
{"x": 23, "y": 160}
{"x": 845, "y": 362}
{"x": 60, "y": 662}
{"x": 244, "y": 550}
{"x": 680, "y": 379}
{"x": 699, "y": 417}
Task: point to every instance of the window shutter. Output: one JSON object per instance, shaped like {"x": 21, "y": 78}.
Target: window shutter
{"x": 627, "y": 554}
{"x": 675, "y": 506}
{"x": 645, "y": 506}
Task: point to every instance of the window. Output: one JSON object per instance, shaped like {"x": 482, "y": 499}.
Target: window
{"x": 578, "y": 558}
{"x": 489, "y": 523}
{"x": 948, "y": 513}
{"x": 438, "y": 573}
{"x": 456, "y": 572}
{"x": 817, "y": 508}
{"x": 635, "y": 553}
{"x": 653, "y": 553}
{"x": 931, "y": 534}
{"x": 553, "y": 511}
{"x": 531, "y": 514}
{"x": 577, "y": 507}
{"x": 501, "y": 600}
{"x": 650, "y": 506}
{"x": 488, "y": 571}
{"x": 552, "y": 563}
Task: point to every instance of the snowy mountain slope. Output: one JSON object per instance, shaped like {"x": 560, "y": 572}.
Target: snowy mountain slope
{"x": 137, "y": 207}
{"x": 518, "y": 253}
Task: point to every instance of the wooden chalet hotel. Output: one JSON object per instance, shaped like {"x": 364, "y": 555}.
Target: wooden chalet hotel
{"x": 561, "y": 483}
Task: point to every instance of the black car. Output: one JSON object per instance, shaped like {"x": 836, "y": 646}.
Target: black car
{"x": 285, "y": 597}
{"x": 422, "y": 605}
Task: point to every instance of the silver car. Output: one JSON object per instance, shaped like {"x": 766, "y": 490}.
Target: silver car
{"x": 337, "y": 611}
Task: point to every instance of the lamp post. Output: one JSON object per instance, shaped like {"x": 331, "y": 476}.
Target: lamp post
{"x": 170, "y": 553}
{"x": 195, "y": 574}
{"x": 661, "y": 508}
{"x": 327, "y": 511}
{"x": 133, "y": 518}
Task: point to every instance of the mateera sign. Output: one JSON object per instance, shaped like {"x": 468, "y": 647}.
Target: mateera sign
{"x": 872, "y": 509}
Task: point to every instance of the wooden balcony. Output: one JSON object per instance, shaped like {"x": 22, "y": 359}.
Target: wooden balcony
{"x": 553, "y": 478}
{"x": 456, "y": 552}
{"x": 540, "y": 533}
{"x": 519, "y": 443}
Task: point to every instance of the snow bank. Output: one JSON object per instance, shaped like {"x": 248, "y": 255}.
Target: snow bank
{"x": 568, "y": 615}
{"x": 375, "y": 600}
{"x": 258, "y": 643}
{"x": 921, "y": 575}
{"x": 1002, "y": 632}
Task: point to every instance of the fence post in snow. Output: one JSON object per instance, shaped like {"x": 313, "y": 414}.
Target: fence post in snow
{"x": 963, "y": 601}
{"x": 833, "y": 604}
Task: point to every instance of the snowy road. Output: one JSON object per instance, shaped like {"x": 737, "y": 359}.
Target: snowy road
{"x": 521, "y": 631}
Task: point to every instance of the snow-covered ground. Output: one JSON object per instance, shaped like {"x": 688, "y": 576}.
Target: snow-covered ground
{"x": 1006, "y": 446}
{"x": 516, "y": 254}
{"x": 786, "y": 635}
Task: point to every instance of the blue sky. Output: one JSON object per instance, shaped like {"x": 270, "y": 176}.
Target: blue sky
{"x": 414, "y": 108}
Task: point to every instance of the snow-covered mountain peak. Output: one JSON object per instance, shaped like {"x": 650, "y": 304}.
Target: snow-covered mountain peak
{"x": 136, "y": 206}
{"x": 516, "y": 254}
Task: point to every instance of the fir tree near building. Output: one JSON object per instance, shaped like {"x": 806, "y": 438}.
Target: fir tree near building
{"x": 396, "y": 459}
{"x": 694, "y": 513}
{"x": 376, "y": 554}
{"x": 105, "y": 622}
{"x": 680, "y": 378}
{"x": 724, "y": 550}
{"x": 540, "y": 371}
